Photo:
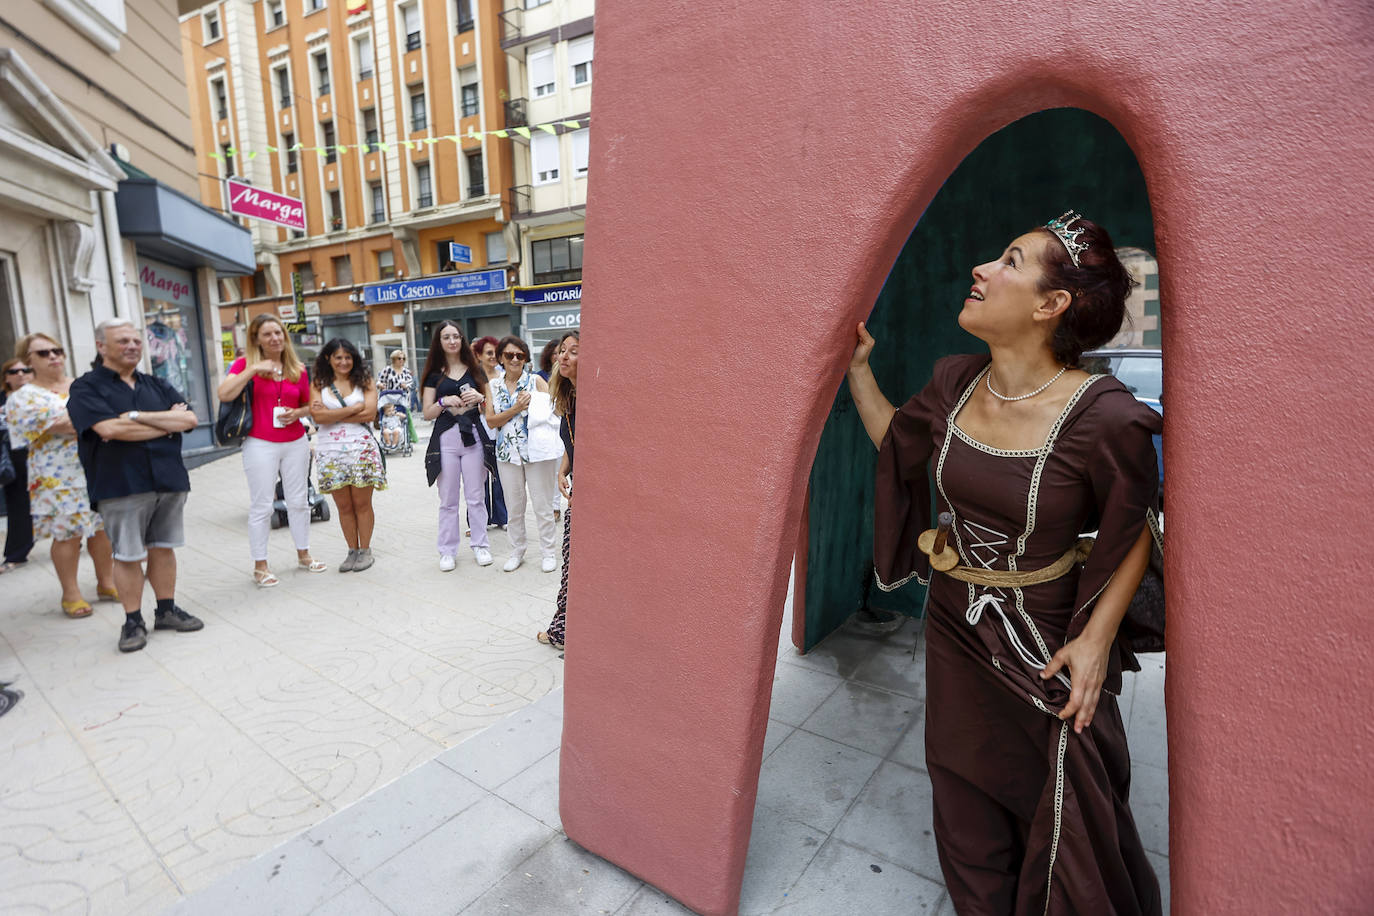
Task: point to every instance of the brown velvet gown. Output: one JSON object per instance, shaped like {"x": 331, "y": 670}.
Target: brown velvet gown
{"x": 1030, "y": 818}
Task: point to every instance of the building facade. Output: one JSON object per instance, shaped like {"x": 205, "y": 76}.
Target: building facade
{"x": 377, "y": 117}
{"x": 91, "y": 106}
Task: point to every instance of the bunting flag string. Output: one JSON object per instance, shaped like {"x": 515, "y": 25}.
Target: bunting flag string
{"x": 365, "y": 147}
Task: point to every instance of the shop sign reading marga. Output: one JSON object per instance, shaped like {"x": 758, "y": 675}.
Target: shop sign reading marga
{"x": 468, "y": 284}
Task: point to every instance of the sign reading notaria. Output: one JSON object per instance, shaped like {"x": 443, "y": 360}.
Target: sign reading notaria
{"x": 257, "y": 203}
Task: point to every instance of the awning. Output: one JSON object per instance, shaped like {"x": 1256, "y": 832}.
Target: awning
{"x": 167, "y": 225}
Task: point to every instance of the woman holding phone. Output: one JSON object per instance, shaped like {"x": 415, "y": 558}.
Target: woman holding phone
{"x": 455, "y": 387}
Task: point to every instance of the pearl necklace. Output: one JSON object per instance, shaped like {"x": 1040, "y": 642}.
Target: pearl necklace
{"x": 988, "y": 378}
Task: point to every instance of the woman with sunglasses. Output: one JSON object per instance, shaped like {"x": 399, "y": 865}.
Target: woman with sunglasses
{"x": 510, "y": 412}
{"x": 37, "y": 414}
{"x": 18, "y": 523}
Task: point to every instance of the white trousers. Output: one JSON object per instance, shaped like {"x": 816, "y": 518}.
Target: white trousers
{"x": 262, "y": 462}
{"x": 541, "y": 479}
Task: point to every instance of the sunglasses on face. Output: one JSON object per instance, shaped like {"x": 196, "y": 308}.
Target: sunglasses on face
{"x": 513, "y": 354}
{"x": 51, "y": 351}
{"x": 19, "y": 371}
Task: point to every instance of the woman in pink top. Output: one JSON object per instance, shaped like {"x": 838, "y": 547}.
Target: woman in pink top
{"x": 276, "y": 444}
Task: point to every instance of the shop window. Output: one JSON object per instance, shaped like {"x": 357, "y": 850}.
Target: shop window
{"x": 172, "y": 328}
{"x": 343, "y": 270}
{"x": 496, "y": 247}
{"x": 378, "y": 202}
{"x": 580, "y": 60}
{"x": 386, "y": 264}
{"x": 557, "y": 260}
{"x": 544, "y": 158}
{"x": 465, "y": 19}
{"x": 476, "y": 179}
{"x": 540, "y": 66}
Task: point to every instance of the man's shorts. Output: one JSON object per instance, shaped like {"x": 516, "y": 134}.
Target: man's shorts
{"x": 135, "y": 523}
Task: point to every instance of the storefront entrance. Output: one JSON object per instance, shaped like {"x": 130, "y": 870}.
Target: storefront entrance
{"x": 173, "y": 339}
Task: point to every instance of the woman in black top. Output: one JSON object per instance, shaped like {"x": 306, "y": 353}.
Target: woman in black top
{"x": 563, "y": 388}
{"x": 454, "y": 388}
{"x": 18, "y": 522}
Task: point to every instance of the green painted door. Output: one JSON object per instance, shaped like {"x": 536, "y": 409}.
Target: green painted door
{"x": 1020, "y": 177}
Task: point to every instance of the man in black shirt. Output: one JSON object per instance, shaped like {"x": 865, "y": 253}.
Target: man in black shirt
{"x": 129, "y": 428}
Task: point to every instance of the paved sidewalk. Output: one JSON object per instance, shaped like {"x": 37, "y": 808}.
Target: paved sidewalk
{"x": 132, "y": 780}
{"x": 842, "y": 824}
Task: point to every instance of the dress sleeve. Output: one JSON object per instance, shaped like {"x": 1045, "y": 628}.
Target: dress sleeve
{"x": 237, "y": 366}
{"x": 901, "y": 497}
{"x": 87, "y": 406}
{"x": 1121, "y": 469}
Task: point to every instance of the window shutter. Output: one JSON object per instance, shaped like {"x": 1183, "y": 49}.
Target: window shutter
{"x": 541, "y": 72}
{"x": 580, "y": 150}
{"x": 544, "y": 157}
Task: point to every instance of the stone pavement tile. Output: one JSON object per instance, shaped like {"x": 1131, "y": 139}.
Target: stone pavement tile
{"x": 1161, "y": 864}
{"x": 893, "y": 819}
{"x": 535, "y": 791}
{"x": 293, "y": 878}
{"x": 843, "y": 879}
{"x": 445, "y": 693}
{"x": 911, "y": 748}
{"x": 505, "y": 749}
{"x": 28, "y": 766}
{"x": 550, "y": 704}
{"x": 1127, "y": 697}
{"x": 364, "y": 835}
{"x": 456, "y": 863}
{"x": 561, "y": 878}
{"x": 840, "y": 654}
{"x": 780, "y": 849}
{"x": 355, "y": 901}
{"x": 147, "y": 889}
{"x": 1146, "y": 732}
{"x": 813, "y": 779}
{"x": 798, "y": 691}
{"x": 1150, "y": 806}
{"x": 893, "y": 668}
{"x": 775, "y": 735}
{"x": 864, "y": 717}
{"x": 650, "y": 901}
{"x": 946, "y": 907}
{"x": 349, "y": 774}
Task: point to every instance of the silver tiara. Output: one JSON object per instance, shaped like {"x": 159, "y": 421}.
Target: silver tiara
{"x": 1069, "y": 237}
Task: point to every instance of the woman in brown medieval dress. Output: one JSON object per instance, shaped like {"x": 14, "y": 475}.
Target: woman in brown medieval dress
{"x": 1025, "y": 745}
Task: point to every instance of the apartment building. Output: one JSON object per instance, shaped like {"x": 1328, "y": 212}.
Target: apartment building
{"x": 92, "y": 106}
{"x": 397, "y": 97}
{"x": 549, "y": 46}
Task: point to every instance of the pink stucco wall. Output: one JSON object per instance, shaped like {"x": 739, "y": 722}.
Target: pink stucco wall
{"x": 758, "y": 167}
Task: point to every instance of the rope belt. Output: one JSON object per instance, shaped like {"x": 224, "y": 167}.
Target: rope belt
{"x": 1018, "y": 578}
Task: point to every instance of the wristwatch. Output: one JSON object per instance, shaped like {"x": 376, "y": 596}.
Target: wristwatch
{"x": 132, "y": 415}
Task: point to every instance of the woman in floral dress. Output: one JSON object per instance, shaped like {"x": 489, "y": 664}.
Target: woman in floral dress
{"x": 61, "y": 510}
{"x": 348, "y": 459}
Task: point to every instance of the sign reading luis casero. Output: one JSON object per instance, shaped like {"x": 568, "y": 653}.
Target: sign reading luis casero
{"x": 480, "y": 281}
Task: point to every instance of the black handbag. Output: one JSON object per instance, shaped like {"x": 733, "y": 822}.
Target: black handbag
{"x": 235, "y": 417}
{"x": 7, "y": 469}
{"x": 1143, "y": 625}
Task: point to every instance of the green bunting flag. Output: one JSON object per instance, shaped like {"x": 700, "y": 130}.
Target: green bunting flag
{"x": 523, "y": 131}
{"x": 548, "y": 129}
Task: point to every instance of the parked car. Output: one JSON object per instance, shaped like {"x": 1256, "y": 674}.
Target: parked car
{"x": 1141, "y": 371}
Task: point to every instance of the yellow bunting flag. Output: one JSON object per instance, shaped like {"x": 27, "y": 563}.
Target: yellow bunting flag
{"x": 341, "y": 149}
{"x": 501, "y": 133}
{"x": 253, "y": 154}
{"x": 573, "y": 124}
{"x": 217, "y": 156}
{"x": 548, "y": 129}
{"x": 271, "y": 149}
{"x": 523, "y": 131}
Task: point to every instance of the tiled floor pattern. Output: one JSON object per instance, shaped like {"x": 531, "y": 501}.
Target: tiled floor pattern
{"x": 131, "y": 780}
{"x": 842, "y": 824}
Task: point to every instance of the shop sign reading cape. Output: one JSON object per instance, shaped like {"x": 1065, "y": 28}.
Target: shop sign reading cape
{"x": 257, "y": 203}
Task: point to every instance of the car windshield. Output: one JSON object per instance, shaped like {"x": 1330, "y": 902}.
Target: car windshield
{"x": 1141, "y": 374}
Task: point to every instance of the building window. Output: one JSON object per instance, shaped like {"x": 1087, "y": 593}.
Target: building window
{"x": 441, "y": 256}
{"x": 343, "y": 270}
{"x": 496, "y": 247}
{"x": 307, "y": 274}
{"x": 336, "y": 214}
{"x": 465, "y": 21}
{"x": 417, "y": 111}
{"x": 362, "y": 53}
{"x": 276, "y": 13}
{"x": 386, "y": 264}
{"x": 313, "y": 5}
{"x": 288, "y": 142}
{"x": 221, "y": 99}
{"x": 581, "y": 143}
{"x": 477, "y": 185}
{"x": 378, "y": 202}
{"x": 284, "y": 86}
{"x": 424, "y": 191}
{"x": 327, "y": 132}
{"x": 410, "y": 24}
{"x": 470, "y": 103}
{"x": 211, "y": 20}
{"x": 544, "y": 158}
{"x": 531, "y": 4}
{"x": 580, "y": 60}
{"x": 370, "y": 136}
{"x": 322, "y": 69}
{"x": 259, "y": 283}
{"x": 540, "y": 66}
{"x": 557, "y": 260}
{"x": 227, "y": 152}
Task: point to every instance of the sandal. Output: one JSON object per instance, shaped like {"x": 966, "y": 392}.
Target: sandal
{"x": 78, "y": 608}
{"x": 104, "y": 594}
{"x": 312, "y": 565}
{"x": 265, "y": 578}
{"x": 10, "y": 565}
{"x": 548, "y": 640}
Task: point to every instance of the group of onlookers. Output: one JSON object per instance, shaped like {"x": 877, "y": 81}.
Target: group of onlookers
{"x": 99, "y": 458}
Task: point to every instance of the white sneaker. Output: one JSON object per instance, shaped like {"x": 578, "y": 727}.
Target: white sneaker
{"x": 483, "y": 556}
{"x": 548, "y": 564}
{"x": 512, "y": 564}
{"x": 446, "y": 563}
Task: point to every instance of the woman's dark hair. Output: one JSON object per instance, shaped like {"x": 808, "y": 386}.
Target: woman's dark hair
{"x": 546, "y": 356}
{"x": 510, "y": 340}
{"x": 436, "y": 363}
{"x": 1098, "y": 288}
{"x": 323, "y": 376}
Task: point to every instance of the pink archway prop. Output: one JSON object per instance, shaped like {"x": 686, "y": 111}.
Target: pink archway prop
{"x": 758, "y": 168}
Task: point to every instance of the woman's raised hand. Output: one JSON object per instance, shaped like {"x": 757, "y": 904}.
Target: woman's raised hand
{"x": 863, "y": 349}
{"x": 264, "y": 367}
{"x": 522, "y": 400}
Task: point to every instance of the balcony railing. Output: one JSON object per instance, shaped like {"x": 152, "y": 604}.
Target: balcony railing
{"x": 372, "y": 138}
{"x": 417, "y": 122}
{"x": 285, "y": 100}
{"x": 466, "y": 25}
{"x": 516, "y": 113}
{"x": 324, "y": 89}
{"x": 424, "y": 200}
{"x": 378, "y": 216}
{"x": 521, "y": 200}
{"x": 512, "y": 22}
{"x": 413, "y": 41}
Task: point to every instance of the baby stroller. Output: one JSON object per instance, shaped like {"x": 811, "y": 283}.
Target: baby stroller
{"x": 319, "y": 506}
{"x": 399, "y": 400}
